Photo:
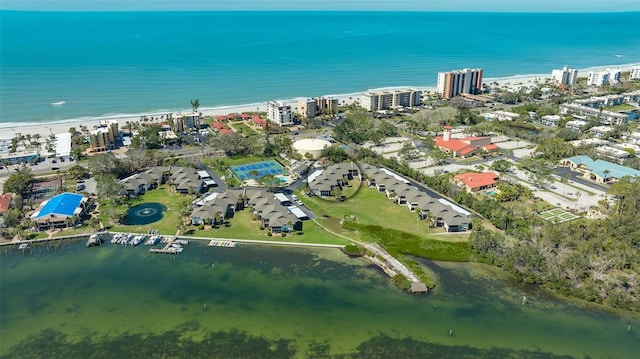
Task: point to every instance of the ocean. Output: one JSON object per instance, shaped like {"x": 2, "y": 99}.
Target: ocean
{"x": 117, "y": 63}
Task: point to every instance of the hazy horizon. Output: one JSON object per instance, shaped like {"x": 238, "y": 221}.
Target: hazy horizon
{"x": 543, "y": 6}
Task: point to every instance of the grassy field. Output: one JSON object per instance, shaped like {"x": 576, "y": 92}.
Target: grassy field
{"x": 243, "y": 227}
{"x": 173, "y": 203}
{"x": 242, "y": 128}
{"x": 621, "y": 107}
{"x": 369, "y": 207}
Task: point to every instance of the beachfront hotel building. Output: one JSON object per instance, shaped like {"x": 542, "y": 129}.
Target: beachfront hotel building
{"x": 390, "y": 99}
{"x": 635, "y": 73}
{"x": 453, "y": 83}
{"x": 313, "y": 107}
{"x": 603, "y": 77}
{"x": 104, "y": 137}
{"x": 187, "y": 122}
{"x": 278, "y": 112}
{"x": 565, "y": 76}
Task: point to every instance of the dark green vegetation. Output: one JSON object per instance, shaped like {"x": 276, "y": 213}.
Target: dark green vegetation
{"x": 235, "y": 344}
{"x": 596, "y": 261}
{"x": 398, "y": 243}
{"x": 359, "y": 126}
{"x": 401, "y": 244}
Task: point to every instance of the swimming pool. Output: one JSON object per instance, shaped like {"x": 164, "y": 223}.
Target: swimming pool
{"x": 492, "y": 193}
{"x": 245, "y": 172}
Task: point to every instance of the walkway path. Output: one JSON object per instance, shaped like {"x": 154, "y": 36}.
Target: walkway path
{"x": 390, "y": 265}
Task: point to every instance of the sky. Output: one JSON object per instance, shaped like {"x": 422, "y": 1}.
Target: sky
{"x": 362, "y": 5}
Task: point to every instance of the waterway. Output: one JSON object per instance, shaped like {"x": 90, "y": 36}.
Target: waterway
{"x": 280, "y": 302}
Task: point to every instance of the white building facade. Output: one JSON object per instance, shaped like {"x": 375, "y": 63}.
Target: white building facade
{"x": 384, "y": 100}
{"x": 565, "y": 76}
{"x": 603, "y": 77}
{"x": 278, "y": 112}
{"x": 635, "y": 73}
{"x": 453, "y": 83}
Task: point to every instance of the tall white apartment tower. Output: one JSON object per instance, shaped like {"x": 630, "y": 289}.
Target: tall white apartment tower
{"x": 453, "y": 83}
{"x": 565, "y": 76}
{"x": 635, "y": 73}
{"x": 278, "y": 112}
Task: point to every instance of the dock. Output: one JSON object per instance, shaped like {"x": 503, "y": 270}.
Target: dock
{"x": 222, "y": 243}
{"x": 171, "y": 247}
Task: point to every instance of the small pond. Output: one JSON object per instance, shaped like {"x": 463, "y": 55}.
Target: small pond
{"x": 145, "y": 213}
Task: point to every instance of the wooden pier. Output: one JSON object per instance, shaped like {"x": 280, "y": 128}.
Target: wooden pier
{"x": 222, "y": 243}
{"x": 170, "y": 247}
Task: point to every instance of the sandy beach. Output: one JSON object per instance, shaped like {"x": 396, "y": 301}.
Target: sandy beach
{"x": 45, "y": 129}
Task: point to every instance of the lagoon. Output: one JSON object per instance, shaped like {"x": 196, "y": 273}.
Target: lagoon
{"x": 280, "y": 302}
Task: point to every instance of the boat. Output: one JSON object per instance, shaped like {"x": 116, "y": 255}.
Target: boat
{"x": 23, "y": 246}
{"x": 116, "y": 238}
{"x": 94, "y": 240}
{"x": 59, "y": 103}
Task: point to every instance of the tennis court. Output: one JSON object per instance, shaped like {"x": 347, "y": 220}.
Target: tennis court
{"x": 557, "y": 215}
{"x": 45, "y": 190}
{"x": 245, "y": 172}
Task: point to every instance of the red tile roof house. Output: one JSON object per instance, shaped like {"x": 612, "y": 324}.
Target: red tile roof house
{"x": 5, "y": 203}
{"x": 463, "y": 146}
{"x": 475, "y": 182}
{"x": 258, "y": 121}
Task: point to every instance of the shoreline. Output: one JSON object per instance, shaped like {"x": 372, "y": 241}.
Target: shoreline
{"x": 8, "y": 130}
{"x": 199, "y": 239}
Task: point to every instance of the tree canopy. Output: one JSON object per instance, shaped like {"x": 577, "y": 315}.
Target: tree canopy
{"x": 19, "y": 182}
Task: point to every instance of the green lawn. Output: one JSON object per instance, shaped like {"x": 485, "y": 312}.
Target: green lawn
{"x": 173, "y": 203}
{"x": 243, "y": 227}
{"x": 242, "y": 128}
{"x": 369, "y": 207}
{"x": 621, "y": 107}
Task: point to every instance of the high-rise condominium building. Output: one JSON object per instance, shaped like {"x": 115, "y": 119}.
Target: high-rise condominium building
{"x": 565, "y": 76}
{"x": 278, "y": 112}
{"x": 186, "y": 122}
{"x": 453, "y": 83}
{"x": 312, "y": 107}
{"x": 603, "y": 77}
{"x": 635, "y": 73}
{"x": 384, "y": 100}
{"x": 104, "y": 137}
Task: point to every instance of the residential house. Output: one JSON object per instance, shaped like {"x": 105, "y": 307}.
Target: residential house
{"x": 600, "y": 131}
{"x": 463, "y": 146}
{"x": 475, "y": 182}
{"x": 576, "y": 125}
{"x": 5, "y": 204}
{"x": 550, "y": 120}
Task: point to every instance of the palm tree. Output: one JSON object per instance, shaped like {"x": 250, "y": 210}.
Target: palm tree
{"x": 195, "y": 104}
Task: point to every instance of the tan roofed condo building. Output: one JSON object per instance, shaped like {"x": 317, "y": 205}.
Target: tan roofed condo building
{"x": 453, "y": 83}
{"x": 313, "y": 107}
{"x": 103, "y": 138}
{"x": 384, "y": 100}
{"x": 187, "y": 122}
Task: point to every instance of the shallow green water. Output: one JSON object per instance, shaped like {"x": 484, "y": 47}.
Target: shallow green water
{"x": 259, "y": 301}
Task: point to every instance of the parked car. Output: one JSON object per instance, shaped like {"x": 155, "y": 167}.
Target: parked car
{"x": 80, "y": 187}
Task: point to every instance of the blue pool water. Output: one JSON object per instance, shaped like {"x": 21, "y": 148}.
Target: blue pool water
{"x": 492, "y": 193}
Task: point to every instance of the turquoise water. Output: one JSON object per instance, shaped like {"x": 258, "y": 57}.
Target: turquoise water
{"x": 492, "y": 193}
{"x": 280, "y": 302}
{"x": 139, "y": 62}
